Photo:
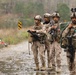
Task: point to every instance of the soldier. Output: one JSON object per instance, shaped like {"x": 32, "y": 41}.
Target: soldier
{"x": 70, "y": 45}
{"x": 55, "y": 49}
{"x": 38, "y": 46}
{"x": 47, "y": 24}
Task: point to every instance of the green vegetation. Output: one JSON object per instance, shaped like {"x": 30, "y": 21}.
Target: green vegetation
{"x": 63, "y": 25}
{"x": 29, "y": 11}
{"x": 14, "y": 36}
{"x": 13, "y": 11}
{"x": 64, "y": 11}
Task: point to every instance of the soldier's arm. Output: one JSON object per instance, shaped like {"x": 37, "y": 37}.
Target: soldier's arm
{"x": 49, "y": 29}
{"x": 32, "y": 28}
{"x": 43, "y": 30}
{"x": 65, "y": 32}
{"x": 53, "y": 27}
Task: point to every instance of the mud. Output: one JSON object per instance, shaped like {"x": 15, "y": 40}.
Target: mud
{"x": 15, "y": 60}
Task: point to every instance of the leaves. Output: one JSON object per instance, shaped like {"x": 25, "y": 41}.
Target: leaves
{"x": 64, "y": 11}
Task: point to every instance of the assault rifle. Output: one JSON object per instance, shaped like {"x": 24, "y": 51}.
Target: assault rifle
{"x": 34, "y": 35}
{"x": 71, "y": 48}
{"x": 53, "y": 33}
{"x": 68, "y": 46}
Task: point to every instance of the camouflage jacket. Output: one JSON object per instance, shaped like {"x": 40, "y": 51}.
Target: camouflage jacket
{"x": 69, "y": 32}
{"x": 55, "y": 33}
{"x": 40, "y": 32}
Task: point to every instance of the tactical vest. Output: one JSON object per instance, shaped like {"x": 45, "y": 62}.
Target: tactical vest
{"x": 30, "y": 38}
{"x": 72, "y": 34}
{"x": 47, "y": 25}
{"x": 42, "y": 36}
{"x": 54, "y": 34}
{"x": 74, "y": 37}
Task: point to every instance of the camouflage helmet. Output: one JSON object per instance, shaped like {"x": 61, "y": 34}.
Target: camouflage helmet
{"x": 73, "y": 14}
{"x": 47, "y": 15}
{"x": 56, "y": 14}
{"x": 38, "y": 17}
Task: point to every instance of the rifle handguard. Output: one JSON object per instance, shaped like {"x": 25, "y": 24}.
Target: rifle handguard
{"x": 31, "y": 31}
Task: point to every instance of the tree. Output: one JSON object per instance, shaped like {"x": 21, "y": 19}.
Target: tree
{"x": 64, "y": 11}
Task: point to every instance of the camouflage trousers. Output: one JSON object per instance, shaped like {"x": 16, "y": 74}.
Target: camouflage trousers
{"x": 47, "y": 49}
{"x": 71, "y": 59}
{"x": 55, "y": 52}
{"x": 38, "y": 48}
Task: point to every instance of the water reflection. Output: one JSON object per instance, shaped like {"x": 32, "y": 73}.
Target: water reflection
{"x": 6, "y": 67}
{"x": 47, "y": 73}
{"x": 17, "y": 61}
{"x": 44, "y": 73}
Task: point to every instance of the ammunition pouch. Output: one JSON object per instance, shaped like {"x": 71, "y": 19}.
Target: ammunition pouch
{"x": 64, "y": 42}
{"x": 54, "y": 37}
{"x": 49, "y": 38}
{"x": 42, "y": 38}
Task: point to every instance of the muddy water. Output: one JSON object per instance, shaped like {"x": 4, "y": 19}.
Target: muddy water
{"x": 15, "y": 60}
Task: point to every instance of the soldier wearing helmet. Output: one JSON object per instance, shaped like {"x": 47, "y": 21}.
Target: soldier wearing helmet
{"x": 73, "y": 17}
{"x": 38, "y": 46}
{"x": 55, "y": 49}
{"x": 38, "y": 17}
{"x": 46, "y": 25}
{"x": 56, "y": 17}
{"x": 47, "y": 17}
{"x": 70, "y": 30}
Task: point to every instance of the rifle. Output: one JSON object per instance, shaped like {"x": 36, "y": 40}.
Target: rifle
{"x": 71, "y": 49}
{"x": 34, "y": 35}
{"x": 38, "y": 36}
{"x": 53, "y": 33}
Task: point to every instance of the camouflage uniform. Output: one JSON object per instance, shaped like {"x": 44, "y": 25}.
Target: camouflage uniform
{"x": 55, "y": 49}
{"x": 47, "y": 45}
{"x": 71, "y": 62}
{"x": 47, "y": 42}
{"x": 55, "y": 52}
{"x": 38, "y": 47}
{"x": 71, "y": 31}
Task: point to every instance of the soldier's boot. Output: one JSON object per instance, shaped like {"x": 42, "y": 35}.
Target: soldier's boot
{"x": 49, "y": 67}
{"x": 53, "y": 68}
{"x": 58, "y": 70}
{"x": 37, "y": 67}
{"x": 43, "y": 68}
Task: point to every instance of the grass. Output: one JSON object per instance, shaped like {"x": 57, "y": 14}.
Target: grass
{"x": 13, "y": 36}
